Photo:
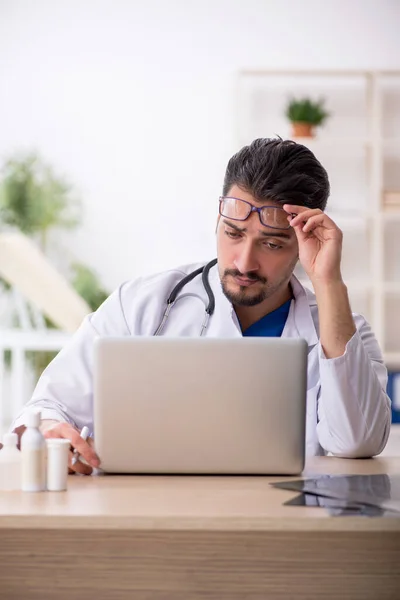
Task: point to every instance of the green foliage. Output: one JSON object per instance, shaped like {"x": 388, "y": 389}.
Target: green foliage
{"x": 6, "y": 287}
{"x": 304, "y": 110}
{"x": 7, "y": 358}
{"x": 34, "y": 199}
{"x": 87, "y": 285}
{"x": 4, "y": 284}
{"x": 39, "y": 360}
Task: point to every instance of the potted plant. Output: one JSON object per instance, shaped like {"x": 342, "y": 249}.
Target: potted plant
{"x": 305, "y": 114}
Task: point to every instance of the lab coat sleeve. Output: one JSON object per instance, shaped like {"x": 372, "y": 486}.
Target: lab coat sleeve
{"x": 354, "y": 411}
{"x": 64, "y": 392}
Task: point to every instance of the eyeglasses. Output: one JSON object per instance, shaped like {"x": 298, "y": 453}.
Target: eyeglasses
{"x": 240, "y": 210}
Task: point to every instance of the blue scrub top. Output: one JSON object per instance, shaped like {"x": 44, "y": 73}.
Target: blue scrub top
{"x": 271, "y": 325}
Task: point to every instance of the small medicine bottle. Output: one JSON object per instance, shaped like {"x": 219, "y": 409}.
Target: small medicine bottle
{"x": 33, "y": 455}
{"x": 57, "y": 464}
{"x": 10, "y": 464}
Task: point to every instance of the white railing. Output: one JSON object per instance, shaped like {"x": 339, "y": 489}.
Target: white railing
{"x": 35, "y": 288}
{"x": 19, "y": 342}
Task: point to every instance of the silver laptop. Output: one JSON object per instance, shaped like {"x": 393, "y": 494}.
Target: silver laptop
{"x": 200, "y": 405}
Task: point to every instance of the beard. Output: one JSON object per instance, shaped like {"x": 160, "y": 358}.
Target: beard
{"x": 246, "y": 296}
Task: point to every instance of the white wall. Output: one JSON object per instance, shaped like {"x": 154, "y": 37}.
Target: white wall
{"x": 134, "y": 102}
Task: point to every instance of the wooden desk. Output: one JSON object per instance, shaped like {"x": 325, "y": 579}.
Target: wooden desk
{"x": 186, "y": 538}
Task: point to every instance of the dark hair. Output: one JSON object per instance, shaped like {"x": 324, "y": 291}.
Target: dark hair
{"x": 279, "y": 170}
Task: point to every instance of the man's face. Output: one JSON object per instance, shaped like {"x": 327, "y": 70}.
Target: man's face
{"x": 254, "y": 261}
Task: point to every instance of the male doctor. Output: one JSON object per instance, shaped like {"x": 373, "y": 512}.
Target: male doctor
{"x": 270, "y": 216}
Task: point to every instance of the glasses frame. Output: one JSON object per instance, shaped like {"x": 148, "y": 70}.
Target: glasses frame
{"x": 252, "y": 209}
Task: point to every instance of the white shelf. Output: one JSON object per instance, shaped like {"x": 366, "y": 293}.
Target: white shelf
{"x": 349, "y": 222}
{"x": 320, "y": 142}
{"x": 391, "y": 148}
{"x": 14, "y": 339}
{"x": 325, "y": 146}
{"x": 326, "y": 142}
{"x": 390, "y": 287}
{"x": 392, "y": 360}
{"x": 360, "y": 148}
{"x": 390, "y": 142}
{"x": 356, "y": 286}
{"x": 315, "y": 73}
{"x": 389, "y": 216}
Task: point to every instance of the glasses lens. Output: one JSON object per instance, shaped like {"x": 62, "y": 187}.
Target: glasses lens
{"x": 235, "y": 209}
{"x": 274, "y": 217}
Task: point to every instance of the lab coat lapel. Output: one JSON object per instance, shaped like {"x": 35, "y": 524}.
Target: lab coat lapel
{"x": 224, "y": 322}
{"x": 300, "y": 322}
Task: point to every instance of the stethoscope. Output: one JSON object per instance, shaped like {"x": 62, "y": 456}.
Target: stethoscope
{"x": 172, "y": 298}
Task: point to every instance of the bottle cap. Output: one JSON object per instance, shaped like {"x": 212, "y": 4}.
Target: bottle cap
{"x": 10, "y": 440}
{"x": 32, "y": 418}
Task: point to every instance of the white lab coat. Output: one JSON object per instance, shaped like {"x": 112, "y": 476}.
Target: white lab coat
{"x": 348, "y": 411}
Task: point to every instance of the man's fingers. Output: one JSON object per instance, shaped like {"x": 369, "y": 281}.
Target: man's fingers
{"x": 311, "y": 219}
{"x": 300, "y": 235}
{"x": 313, "y": 222}
{"x": 294, "y": 209}
{"x": 83, "y": 447}
{"x": 78, "y": 467}
{"x": 65, "y": 430}
{"x": 302, "y": 216}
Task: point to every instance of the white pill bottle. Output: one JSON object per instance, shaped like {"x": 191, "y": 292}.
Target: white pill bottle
{"x": 10, "y": 463}
{"x": 57, "y": 464}
{"x": 33, "y": 455}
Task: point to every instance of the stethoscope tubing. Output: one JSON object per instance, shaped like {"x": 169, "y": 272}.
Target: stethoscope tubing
{"x": 173, "y": 297}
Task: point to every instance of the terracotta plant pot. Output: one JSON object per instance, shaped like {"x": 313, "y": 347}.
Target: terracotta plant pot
{"x": 300, "y": 129}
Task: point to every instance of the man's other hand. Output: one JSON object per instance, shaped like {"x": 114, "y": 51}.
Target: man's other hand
{"x": 84, "y": 447}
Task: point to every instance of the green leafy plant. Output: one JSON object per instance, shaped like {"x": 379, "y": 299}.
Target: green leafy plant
{"x": 305, "y": 110}
{"x": 34, "y": 199}
{"x": 86, "y": 283}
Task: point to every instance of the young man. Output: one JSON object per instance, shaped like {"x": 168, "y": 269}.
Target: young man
{"x": 270, "y": 216}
